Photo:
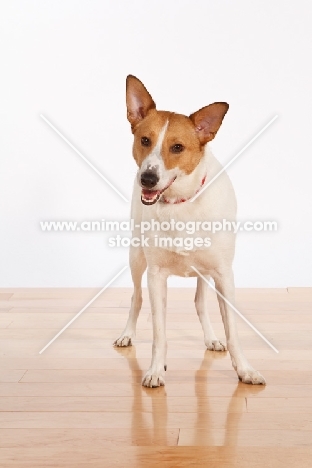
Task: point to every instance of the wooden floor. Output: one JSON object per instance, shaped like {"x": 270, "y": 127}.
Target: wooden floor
{"x": 81, "y": 402}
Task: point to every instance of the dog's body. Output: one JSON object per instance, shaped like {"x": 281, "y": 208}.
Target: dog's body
{"x": 174, "y": 162}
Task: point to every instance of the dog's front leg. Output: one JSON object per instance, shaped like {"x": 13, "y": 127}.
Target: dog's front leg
{"x": 157, "y": 288}
{"x": 224, "y": 283}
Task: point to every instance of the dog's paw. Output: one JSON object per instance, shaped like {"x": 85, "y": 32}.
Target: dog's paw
{"x": 123, "y": 340}
{"x": 153, "y": 379}
{"x": 251, "y": 376}
{"x": 215, "y": 345}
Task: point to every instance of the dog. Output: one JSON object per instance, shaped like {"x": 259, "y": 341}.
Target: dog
{"x": 174, "y": 163}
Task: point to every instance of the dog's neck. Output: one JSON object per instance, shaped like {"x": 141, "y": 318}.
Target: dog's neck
{"x": 185, "y": 187}
{"x": 182, "y": 200}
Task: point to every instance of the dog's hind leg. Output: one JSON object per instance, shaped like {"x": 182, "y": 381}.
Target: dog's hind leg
{"x": 224, "y": 283}
{"x": 201, "y": 304}
{"x": 137, "y": 266}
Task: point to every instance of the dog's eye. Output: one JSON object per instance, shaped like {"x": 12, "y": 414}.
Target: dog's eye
{"x": 177, "y": 148}
{"x": 145, "y": 141}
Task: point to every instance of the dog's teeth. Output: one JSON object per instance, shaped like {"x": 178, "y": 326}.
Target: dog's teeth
{"x": 148, "y": 200}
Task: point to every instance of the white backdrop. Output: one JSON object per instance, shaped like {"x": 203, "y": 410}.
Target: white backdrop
{"x": 68, "y": 60}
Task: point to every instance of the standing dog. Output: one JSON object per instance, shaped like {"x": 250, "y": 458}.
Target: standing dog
{"x": 174, "y": 162}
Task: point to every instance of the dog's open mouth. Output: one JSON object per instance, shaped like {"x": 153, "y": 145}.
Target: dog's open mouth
{"x": 149, "y": 197}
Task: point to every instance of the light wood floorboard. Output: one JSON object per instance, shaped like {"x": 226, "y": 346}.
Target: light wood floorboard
{"x": 81, "y": 402}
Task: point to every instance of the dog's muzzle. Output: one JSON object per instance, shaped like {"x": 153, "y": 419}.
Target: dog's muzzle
{"x": 149, "y": 180}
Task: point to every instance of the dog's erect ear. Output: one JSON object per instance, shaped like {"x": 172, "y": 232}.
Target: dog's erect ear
{"x": 139, "y": 100}
{"x": 208, "y": 120}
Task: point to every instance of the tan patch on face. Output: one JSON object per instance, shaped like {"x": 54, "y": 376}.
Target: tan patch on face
{"x": 150, "y": 127}
{"x": 180, "y": 131}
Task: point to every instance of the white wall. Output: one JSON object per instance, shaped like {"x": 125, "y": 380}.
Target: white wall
{"x": 69, "y": 59}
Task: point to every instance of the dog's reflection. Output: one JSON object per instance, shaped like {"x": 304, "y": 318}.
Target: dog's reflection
{"x": 215, "y": 426}
{"x": 211, "y": 426}
{"x": 149, "y": 424}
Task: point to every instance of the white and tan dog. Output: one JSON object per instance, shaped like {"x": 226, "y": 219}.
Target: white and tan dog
{"x": 174, "y": 161}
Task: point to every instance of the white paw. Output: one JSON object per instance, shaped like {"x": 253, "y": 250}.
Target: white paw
{"x": 153, "y": 379}
{"x": 123, "y": 340}
{"x": 215, "y": 345}
{"x": 251, "y": 376}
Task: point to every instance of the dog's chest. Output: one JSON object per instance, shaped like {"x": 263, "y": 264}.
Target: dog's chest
{"x": 175, "y": 229}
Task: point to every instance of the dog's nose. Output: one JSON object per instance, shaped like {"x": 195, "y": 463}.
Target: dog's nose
{"x": 149, "y": 179}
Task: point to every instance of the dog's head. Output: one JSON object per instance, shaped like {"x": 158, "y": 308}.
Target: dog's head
{"x": 167, "y": 145}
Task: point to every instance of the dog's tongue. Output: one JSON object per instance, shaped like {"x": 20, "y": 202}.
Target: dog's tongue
{"x": 149, "y": 197}
{"x": 150, "y": 194}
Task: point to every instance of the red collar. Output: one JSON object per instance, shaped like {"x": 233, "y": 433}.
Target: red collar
{"x": 182, "y": 200}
